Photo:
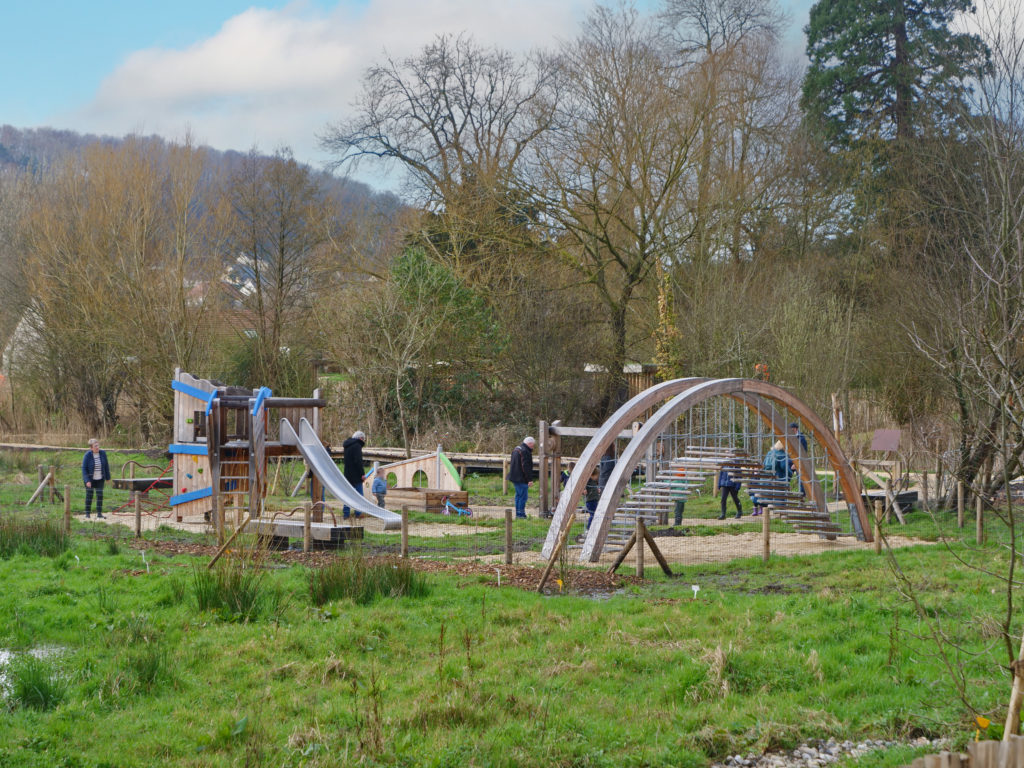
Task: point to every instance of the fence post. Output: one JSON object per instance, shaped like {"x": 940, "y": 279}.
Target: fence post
{"x": 508, "y": 536}
{"x": 137, "y": 498}
{"x": 307, "y": 526}
{"x": 67, "y": 509}
{"x": 405, "y": 532}
{"x": 878, "y": 527}
{"x": 219, "y": 514}
{"x": 766, "y": 533}
{"x": 979, "y": 520}
{"x": 639, "y": 547}
{"x": 924, "y": 490}
{"x": 959, "y": 503}
{"x": 504, "y": 477}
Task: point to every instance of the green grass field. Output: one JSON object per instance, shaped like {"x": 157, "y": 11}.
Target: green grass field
{"x": 134, "y": 673}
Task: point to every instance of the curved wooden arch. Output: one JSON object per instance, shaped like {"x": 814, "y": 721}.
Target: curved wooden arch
{"x": 623, "y": 418}
{"x": 697, "y": 393}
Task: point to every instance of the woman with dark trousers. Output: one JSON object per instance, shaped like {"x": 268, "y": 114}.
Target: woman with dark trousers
{"x": 95, "y": 472}
{"x": 729, "y": 487}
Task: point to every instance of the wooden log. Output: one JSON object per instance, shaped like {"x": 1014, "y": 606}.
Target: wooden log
{"x": 508, "y": 536}
{"x": 404, "y": 552}
{"x": 766, "y": 533}
{"x": 622, "y": 553}
{"x": 307, "y": 526}
{"x": 227, "y": 543}
{"x": 979, "y": 520}
{"x": 959, "y": 503}
{"x": 557, "y": 551}
{"x": 42, "y": 486}
{"x": 878, "y": 526}
{"x": 67, "y": 509}
{"x": 640, "y": 533}
{"x": 137, "y": 502}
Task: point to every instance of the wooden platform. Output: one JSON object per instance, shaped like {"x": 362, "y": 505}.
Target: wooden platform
{"x": 141, "y": 484}
{"x": 322, "y": 535}
{"x": 424, "y": 499}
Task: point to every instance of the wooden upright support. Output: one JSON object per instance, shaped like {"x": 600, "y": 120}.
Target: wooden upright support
{"x": 979, "y": 520}
{"x": 766, "y": 533}
{"x": 405, "y": 532}
{"x": 307, "y": 526}
{"x": 508, "y": 536}
{"x": 878, "y": 526}
{"x": 137, "y": 502}
{"x": 67, "y": 509}
{"x": 641, "y": 529}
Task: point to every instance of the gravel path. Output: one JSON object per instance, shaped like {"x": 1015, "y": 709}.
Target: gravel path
{"x": 824, "y": 753}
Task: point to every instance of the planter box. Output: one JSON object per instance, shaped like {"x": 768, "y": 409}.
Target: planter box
{"x": 424, "y": 499}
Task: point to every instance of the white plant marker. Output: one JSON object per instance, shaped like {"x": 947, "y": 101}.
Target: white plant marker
{"x": 696, "y": 589}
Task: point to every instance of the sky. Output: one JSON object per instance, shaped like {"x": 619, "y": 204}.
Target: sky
{"x": 237, "y": 75}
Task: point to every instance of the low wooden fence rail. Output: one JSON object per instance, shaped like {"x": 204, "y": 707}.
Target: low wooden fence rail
{"x": 980, "y": 754}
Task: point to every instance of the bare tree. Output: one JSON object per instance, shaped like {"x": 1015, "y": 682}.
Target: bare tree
{"x": 611, "y": 175}
{"x": 280, "y": 226}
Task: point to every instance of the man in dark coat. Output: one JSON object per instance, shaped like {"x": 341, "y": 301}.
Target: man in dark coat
{"x": 520, "y": 473}
{"x": 95, "y": 472}
{"x": 353, "y": 466}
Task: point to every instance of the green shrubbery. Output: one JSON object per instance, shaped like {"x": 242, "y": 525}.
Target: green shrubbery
{"x": 31, "y": 537}
{"x": 354, "y": 577}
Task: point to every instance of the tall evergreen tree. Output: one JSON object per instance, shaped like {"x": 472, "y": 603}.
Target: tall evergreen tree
{"x": 885, "y": 69}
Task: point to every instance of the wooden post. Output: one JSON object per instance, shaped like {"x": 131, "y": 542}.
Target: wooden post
{"x": 508, "y": 536}
{"x": 53, "y": 484}
{"x": 959, "y": 503}
{"x": 979, "y": 520}
{"x": 504, "y": 477}
{"x": 542, "y": 444}
{"x": 878, "y": 526}
{"x": 226, "y": 544}
{"x": 67, "y": 509}
{"x": 405, "y": 532}
{"x": 307, "y": 526}
{"x": 888, "y": 499}
{"x": 640, "y": 530}
{"x": 766, "y": 533}
{"x": 137, "y": 500}
{"x": 219, "y": 514}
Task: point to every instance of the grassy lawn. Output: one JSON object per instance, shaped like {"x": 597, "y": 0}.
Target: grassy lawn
{"x": 137, "y": 667}
{"x": 467, "y": 674}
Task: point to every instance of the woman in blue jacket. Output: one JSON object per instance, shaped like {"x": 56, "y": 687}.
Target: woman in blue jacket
{"x": 95, "y": 472}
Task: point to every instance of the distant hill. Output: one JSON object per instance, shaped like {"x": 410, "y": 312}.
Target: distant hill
{"x": 34, "y": 149}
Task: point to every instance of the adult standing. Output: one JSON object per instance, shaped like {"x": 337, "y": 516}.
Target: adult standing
{"x": 520, "y": 473}
{"x": 353, "y": 466}
{"x": 95, "y": 472}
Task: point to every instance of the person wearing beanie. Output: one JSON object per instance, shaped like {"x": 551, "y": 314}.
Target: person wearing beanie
{"x": 520, "y": 473}
{"x": 353, "y": 464}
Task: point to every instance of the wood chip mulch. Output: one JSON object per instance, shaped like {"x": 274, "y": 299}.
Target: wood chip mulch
{"x": 576, "y": 581}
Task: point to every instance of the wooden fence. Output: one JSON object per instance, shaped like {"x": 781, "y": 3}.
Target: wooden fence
{"x": 980, "y": 754}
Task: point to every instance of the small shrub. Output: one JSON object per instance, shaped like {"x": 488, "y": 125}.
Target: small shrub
{"x": 113, "y": 547}
{"x": 35, "y": 684}
{"x": 352, "y": 576}
{"x": 149, "y": 665}
{"x": 236, "y": 591}
{"x": 31, "y": 537}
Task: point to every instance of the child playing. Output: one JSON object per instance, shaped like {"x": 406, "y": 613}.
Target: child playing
{"x": 379, "y": 488}
{"x": 593, "y": 494}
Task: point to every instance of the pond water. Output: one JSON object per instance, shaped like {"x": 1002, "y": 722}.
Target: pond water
{"x": 7, "y": 656}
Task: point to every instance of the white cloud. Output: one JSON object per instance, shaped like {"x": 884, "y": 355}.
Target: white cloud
{"x": 277, "y": 76}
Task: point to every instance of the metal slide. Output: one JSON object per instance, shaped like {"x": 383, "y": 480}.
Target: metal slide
{"x": 320, "y": 463}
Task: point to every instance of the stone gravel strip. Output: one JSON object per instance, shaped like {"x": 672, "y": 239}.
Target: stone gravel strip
{"x": 823, "y": 753}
